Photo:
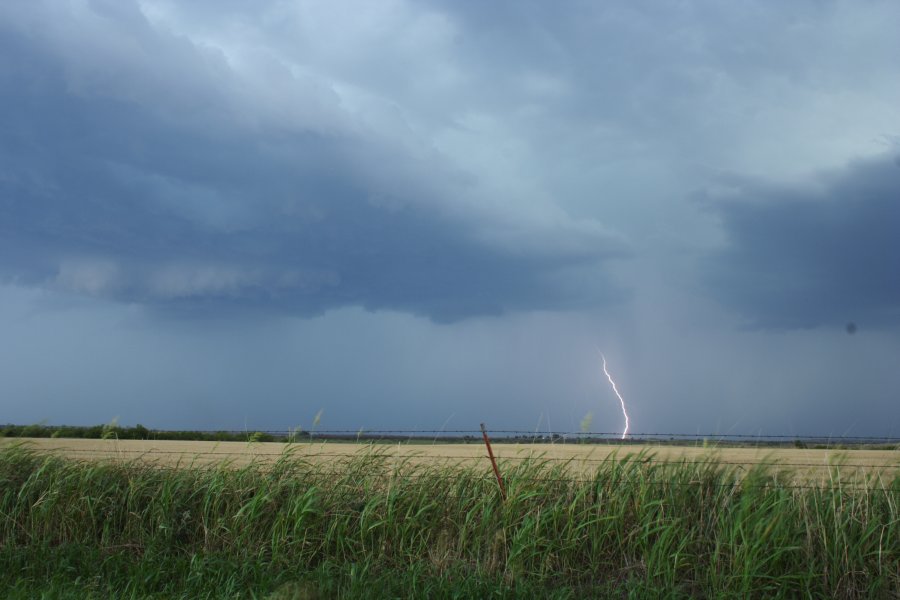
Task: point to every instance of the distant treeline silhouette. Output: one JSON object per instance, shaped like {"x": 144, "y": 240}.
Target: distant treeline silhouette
{"x": 139, "y": 432}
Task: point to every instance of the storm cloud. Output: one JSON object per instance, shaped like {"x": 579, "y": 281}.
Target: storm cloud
{"x": 824, "y": 252}
{"x": 231, "y": 214}
{"x": 142, "y": 167}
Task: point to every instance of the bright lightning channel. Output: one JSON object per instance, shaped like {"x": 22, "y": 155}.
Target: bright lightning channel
{"x": 618, "y": 395}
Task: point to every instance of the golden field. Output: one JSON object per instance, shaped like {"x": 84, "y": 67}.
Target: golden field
{"x": 579, "y": 459}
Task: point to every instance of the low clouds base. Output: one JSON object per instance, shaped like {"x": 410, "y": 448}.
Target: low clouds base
{"x": 825, "y": 253}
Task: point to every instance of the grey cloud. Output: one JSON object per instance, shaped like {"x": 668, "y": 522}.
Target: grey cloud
{"x": 245, "y": 161}
{"x": 696, "y": 80}
{"x": 587, "y": 105}
{"x": 146, "y": 172}
{"x": 825, "y": 253}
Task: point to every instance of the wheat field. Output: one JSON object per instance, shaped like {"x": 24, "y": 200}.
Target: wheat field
{"x": 578, "y": 459}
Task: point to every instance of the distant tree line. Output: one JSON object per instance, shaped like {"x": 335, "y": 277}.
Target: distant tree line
{"x": 137, "y": 432}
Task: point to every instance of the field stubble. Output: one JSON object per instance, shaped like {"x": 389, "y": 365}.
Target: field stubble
{"x": 807, "y": 466}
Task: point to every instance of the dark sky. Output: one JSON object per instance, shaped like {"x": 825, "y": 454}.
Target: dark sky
{"x": 432, "y": 214}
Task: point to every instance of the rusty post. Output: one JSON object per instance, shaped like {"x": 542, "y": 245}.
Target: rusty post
{"x": 487, "y": 443}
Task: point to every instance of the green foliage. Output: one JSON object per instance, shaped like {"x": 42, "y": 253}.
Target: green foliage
{"x": 259, "y": 436}
{"x": 113, "y": 430}
{"x": 369, "y": 528}
{"x": 294, "y": 434}
{"x": 586, "y": 422}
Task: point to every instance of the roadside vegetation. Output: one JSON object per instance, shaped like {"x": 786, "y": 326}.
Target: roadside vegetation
{"x": 366, "y": 527}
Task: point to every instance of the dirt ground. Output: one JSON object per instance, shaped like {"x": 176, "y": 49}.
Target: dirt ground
{"x": 578, "y": 458}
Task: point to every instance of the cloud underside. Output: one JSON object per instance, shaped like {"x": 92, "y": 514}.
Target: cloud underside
{"x": 824, "y": 254}
{"x": 446, "y": 159}
{"x": 160, "y": 180}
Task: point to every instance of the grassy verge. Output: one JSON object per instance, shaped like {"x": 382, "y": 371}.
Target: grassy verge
{"x": 364, "y": 528}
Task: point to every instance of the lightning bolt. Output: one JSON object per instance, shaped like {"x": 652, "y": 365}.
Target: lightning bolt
{"x": 618, "y": 395}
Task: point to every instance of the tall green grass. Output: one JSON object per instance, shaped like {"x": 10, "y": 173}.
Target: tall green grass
{"x": 368, "y": 527}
